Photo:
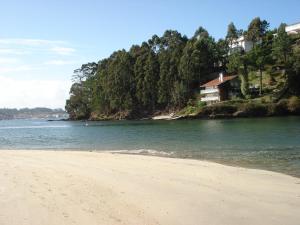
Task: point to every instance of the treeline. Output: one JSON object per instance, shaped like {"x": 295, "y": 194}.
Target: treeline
{"x": 40, "y": 112}
{"x": 164, "y": 72}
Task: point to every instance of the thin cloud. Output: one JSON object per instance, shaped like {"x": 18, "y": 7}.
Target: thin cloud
{"x": 8, "y": 60}
{"x": 11, "y": 51}
{"x": 29, "y": 42}
{"x": 20, "y": 46}
{"x": 20, "y": 68}
{"x": 59, "y": 62}
{"x": 63, "y": 50}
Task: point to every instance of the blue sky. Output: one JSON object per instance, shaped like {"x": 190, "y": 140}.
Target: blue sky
{"x": 42, "y": 42}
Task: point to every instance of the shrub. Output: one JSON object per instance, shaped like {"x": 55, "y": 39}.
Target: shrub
{"x": 278, "y": 109}
{"x": 253, "y": 109}
{"x": 263, "y": 100}
{"x": 219, "y": 109}
{"x": 201, "y": 104}
{"x": 293, "y": 105}
{"x": 190, "y": 102}
{"x": 190, "y": 110}
{"x": 235, "y": 102}
{"x": 282, "y": 106}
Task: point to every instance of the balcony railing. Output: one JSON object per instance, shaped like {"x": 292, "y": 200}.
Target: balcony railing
{"x": 209, "y": 91}
{"x": 210, "y": 98}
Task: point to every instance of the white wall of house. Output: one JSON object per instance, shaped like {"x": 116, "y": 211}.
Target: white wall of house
{"x": 246, "y": 45}
{"x": 241, "y": 42}
{"x": 293, "y": 28}
{"x": 210, "y": 99}
{"x": 210, "y": 94}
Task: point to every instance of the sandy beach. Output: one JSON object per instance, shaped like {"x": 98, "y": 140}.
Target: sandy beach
{"x": 64, "y": 187}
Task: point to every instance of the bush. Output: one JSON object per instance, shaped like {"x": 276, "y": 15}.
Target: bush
{"x": 219, "y": 109}
{"x": 278, "y": 109}
{"x": 293, "y": 105}
{"x": 234, "y": 102}
{"x": 253, "y": 109}
{"x": 190, "y": 102}
{"x": 201, "y": 104}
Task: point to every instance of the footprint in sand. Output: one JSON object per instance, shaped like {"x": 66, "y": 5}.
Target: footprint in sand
{"x": 91, "y": 211}
{"x": 66, "y": 215}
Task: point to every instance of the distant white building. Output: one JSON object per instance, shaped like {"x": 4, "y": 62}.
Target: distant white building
{"x": 242, "y": 43}
{"x": 293, "y": 28}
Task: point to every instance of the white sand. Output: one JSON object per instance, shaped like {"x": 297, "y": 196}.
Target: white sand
{"x": 62, "y": 188}
{"x": 171, "y": 116}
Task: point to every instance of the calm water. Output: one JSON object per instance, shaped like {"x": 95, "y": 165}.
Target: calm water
{"x": 267, "y": 143}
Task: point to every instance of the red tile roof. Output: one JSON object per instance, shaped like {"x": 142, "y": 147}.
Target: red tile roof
{"x": 217, "y": 82}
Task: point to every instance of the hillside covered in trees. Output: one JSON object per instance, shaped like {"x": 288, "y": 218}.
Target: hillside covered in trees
{"x": 26, "y": 113}
{"x": 163, "y": 74}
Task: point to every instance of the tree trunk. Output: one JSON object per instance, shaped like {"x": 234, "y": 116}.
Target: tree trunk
{"x": 260, "y": 80}
{"x": 245, "y": 83}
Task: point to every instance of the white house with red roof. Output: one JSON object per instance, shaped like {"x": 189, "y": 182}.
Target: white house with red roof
{"x": 220, "y": 89}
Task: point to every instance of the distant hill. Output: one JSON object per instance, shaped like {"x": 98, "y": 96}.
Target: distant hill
{"x": 26, "y": 113}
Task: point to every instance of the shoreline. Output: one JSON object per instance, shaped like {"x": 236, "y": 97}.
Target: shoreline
{"x": 222, "y": 110}
{"x": 183, "y": 117}
{"x": 160, "y": 154}
{"x": 80, "y": 187}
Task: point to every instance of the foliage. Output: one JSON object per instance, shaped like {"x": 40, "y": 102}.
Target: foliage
{"x": 219, "y": 109}
{"x": 159, "y": 74}
{"x": 164, "y": 73}
{"x": 293, "y": 104}
{"x": 282, "y": 46}
{"x": 278, "y": 109}
{"x": 256, "y": 30}
{"x": 238, "y": 63}
{"x": 232, "y": 33}
{"x": 254, "y": 109}
{"x": 260, "y": 56}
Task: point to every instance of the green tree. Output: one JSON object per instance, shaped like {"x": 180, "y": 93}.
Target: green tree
{"x": 120, "y": 81}
{"x": 232, "y": 33}
{"x": 146, "y": 71}
{"x": 139, "y": 73}
{"x": 151, "y": 80}
{"x": 287, "y": 55}
{"x": 180, "y": 94}
{"x": 256, "y": 30}
{"x": 201, "y": 33}
{"x": 282, "y": 46}
{"x": 79, "y": 104}
{"x": 222, "y": 50}
{"x": 260, "y": 56}
{"x": 199, "y": 58}
{"x": 85, "y": 72}
{"x": 100, "y": 99}
{"x": 238, "y": 64}
{"x": 172, "y": 44}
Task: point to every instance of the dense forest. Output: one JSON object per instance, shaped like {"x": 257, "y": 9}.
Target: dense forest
{"x": 163, "y": 74}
